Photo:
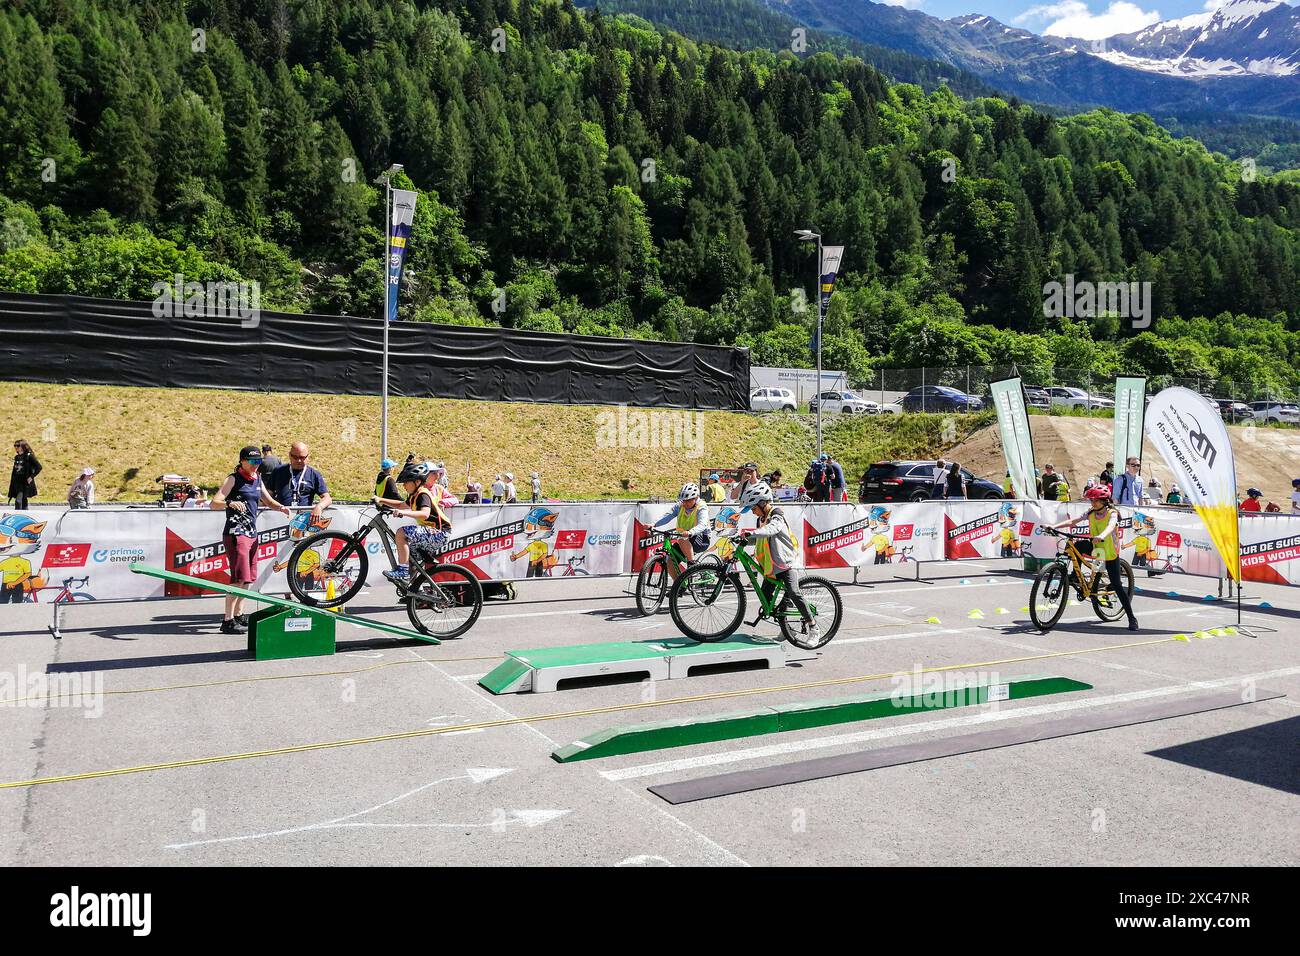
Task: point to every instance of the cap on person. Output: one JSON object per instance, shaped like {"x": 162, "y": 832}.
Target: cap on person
{"x": 1254, "y": 492}
{"x": 87, "y": 472}
{"x": 714, "y": 477}
{"x": 265, "y": 449}
{"x": 249, "y": 452}
{"x": 510, "y": 476}
{"x": 387, "y": 463}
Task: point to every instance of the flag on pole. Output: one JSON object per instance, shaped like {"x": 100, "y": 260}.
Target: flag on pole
{"x": 403, "y": 214}
{"x": 830, "y": 268}
{"x": 1130, "y": 410}
{"x": 1017, "y": 441}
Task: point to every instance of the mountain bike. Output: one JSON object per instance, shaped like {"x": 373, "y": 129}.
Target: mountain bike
{"x": 707, "y": 602}
{"x": 442, "y": 600}
{"x": 1050, "y": 594}
{"x": 653, "y": 582}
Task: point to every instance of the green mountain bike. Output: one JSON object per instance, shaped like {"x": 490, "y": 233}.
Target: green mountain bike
{"x": 707, "y": 602}
{"x": 655, "y": 578}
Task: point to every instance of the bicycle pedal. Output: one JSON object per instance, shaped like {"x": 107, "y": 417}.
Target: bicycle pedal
{"x": 754, "y": 622}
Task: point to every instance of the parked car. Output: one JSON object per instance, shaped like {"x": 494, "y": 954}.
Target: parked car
{"x": 939, "y": 398}
{"x": 1275, "y": 412}
{"x": 846, "y": 403}
{"x": 892, "y": 408}
{"x": 1037, "y": 398}
{"x": 1078, "y": 398}
{"x": 913, "y": 481}
{"x": 1234, "y": 411}
{"x": 772, "y": 400}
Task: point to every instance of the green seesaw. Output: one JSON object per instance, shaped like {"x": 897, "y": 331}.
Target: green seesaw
{"x": 286, "y": 628}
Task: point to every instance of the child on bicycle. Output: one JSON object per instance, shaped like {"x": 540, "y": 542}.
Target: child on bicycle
{"x": 692, "y": 529}
{"x": 776, "y": 550}
{"x": 419, "y": 541}
{"x": 1103, "y": 527}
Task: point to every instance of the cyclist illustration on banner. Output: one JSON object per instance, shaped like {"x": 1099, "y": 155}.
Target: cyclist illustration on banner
{"x": 726, "y": 520}
{"x": 19, "y": 535}
{"x": 1143, "y": 527}
{"x": 1009, "y": 519}
{"x": 301, "y": 525}
{"x": 539, "y": 524}
{"x": 877, "y": 536}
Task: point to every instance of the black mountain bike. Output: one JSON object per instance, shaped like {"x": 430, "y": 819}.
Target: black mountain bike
{"x": 442, "y": 600}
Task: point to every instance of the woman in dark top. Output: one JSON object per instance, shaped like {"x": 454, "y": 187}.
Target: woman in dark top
{"x": 22, "y": 483}
{"x": 956, "y": 484}
{"x": 239, "y": 497}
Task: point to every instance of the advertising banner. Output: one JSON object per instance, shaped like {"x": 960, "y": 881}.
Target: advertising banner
{"x": 1013, "y": 426}
{"x": 403, "y": 215}
{"x": 1193, "y": 440}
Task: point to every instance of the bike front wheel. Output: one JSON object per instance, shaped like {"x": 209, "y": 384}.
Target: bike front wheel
{"x": 1049, "y": 596}
{"x": 823, "y": 600}
{"x": 652, "y": 586}
{"x": 325, "y": 558}
{"x": 446, "y": 603}
{"x": 706, "y": 603}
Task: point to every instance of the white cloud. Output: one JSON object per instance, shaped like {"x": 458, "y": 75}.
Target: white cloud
{"x": 909, "y": 4}
{"x": 1072, "y": 18}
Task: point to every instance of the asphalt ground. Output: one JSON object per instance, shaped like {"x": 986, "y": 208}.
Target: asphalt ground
{"x": 163, "y": 687}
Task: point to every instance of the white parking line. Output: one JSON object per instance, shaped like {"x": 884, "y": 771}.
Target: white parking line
{"x": 925, "y": 726}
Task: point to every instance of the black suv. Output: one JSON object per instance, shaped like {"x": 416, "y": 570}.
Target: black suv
{"x": 913, "y": 481}
{"x": 939, "y": 398}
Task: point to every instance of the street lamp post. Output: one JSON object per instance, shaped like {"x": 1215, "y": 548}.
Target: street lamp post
{"x": 807, "y": 235}
{"x": 386, "y": 177}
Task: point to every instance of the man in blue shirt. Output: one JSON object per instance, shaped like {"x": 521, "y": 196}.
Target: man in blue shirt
{"x": 1127, "y": 487}
{"x": 298, "y": 484}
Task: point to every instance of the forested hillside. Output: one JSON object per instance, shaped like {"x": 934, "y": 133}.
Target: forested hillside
{"x": 612, "y": 179}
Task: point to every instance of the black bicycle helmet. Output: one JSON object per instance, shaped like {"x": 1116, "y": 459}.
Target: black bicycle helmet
{"x": 415, "y": 471}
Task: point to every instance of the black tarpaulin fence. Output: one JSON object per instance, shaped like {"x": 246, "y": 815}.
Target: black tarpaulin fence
{"x": 77, "y": 340}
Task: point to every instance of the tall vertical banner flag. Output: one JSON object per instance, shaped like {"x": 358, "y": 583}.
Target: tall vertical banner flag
{"x": 1130, "y": 409}
{"x": 399, "y": 231}
{"x": 831, "y": 258}
{"x": 1017, "y": 441}
{"x": 1192, "y": 439}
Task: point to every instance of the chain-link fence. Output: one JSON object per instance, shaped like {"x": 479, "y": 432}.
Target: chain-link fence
{"x": 946, "y": 388}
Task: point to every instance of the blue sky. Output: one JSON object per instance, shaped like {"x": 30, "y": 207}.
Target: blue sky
{"x": 1087, "y": 19}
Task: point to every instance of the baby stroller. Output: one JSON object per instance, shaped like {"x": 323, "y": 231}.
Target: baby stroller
{"x": 175, "y": 489}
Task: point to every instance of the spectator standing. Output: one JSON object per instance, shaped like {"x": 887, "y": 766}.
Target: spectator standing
{"x": 1008, "y": 489}
{"x": 816, "y": 482}
{"x": 298, "y": 484}
{"x": 239, "y": 497}
{"x": 22, "y": 483}
{"x": 1175, "y": 495}
{"x": 512, "y": 496}
{"x": 82, "y": 492}
{"x": 1253, "y": 504}
{"x": 835, "y": 478}
{"x": 714, "y": 490}
{"x": 940, "y": 479}
{"x": 498, "y": 490}
{"x": 748, "y": 476}
{"x": 473, "y": 493}
{"x": 386, "y": 481}
{"x": 956, "y": 483}
{"x": 1127, "y": 488}
{"x": 1107, "y": 476}
{"x": 1154, "y": 491}
{"x": 1049, "y": 482}
{"x": 270, "y": 462}
{"x": 536, "y": 480}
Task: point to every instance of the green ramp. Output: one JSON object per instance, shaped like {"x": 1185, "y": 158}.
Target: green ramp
{"x": 541, "y": 670}
{"x": 296, "y": 608}
{"x": 778, "y": 718}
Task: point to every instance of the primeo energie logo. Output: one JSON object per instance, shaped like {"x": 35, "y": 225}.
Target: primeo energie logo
{"x": 75, "y": 908}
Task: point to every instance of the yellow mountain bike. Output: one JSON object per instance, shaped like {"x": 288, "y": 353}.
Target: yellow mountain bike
{"x": 1082, "y": 573}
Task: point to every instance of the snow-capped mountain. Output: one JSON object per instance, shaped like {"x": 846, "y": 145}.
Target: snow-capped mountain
{"x": 1240, "y": 38}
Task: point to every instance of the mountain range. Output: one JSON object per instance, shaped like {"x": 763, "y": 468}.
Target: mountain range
{"x": 1242, "y": 57}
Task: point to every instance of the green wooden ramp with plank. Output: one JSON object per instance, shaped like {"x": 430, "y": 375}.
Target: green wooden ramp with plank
{"x": 285, "y": 628}
{"x": 779, "y": 718}
{"x": 541, "y": 670}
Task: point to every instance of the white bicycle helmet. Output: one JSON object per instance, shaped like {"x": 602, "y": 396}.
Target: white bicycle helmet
{"x": 689, "y": 490}
{"x": 759, "y": 491}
